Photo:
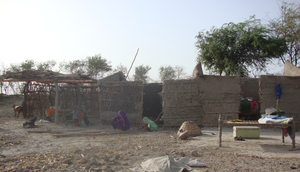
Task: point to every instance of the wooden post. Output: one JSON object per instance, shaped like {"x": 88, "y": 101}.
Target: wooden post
{"x": 277, "y": 104}
{"x": 132, "y": 63}
{"x": 220, "y": 130}
{"x": 293, "y": 132}
{"x": 282, "y": 135}
{"x": 56, "y": 102}
{"x": 79, "y": 103}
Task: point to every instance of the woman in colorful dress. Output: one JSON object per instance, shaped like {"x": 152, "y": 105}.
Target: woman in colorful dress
{"x": 149, "y": 124}
{"x": 121, "y": 121}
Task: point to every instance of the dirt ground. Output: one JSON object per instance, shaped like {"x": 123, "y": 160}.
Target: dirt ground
{"x": 51, "y": 147}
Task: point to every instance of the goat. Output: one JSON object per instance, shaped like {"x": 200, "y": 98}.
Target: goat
{"x": 18, "y": 109}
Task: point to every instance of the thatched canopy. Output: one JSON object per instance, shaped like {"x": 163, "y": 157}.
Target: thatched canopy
{"x": 42, "y": 76}
{"x": 119, "y": 76}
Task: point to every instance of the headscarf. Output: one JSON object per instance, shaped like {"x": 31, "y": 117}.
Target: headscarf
{"x": 121, "y": 121}
{"x": 153, "y": 126}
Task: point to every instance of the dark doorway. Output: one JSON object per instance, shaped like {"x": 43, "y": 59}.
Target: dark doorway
{"x": 152, "y": 100}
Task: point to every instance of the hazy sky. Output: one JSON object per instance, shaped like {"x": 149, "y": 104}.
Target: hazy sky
{"x": 163, "y": 30}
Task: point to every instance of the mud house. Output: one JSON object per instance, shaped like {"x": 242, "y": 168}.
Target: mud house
{"x": 201, "y": 99}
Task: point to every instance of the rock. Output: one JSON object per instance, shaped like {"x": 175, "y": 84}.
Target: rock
{"x": 112, "y": 163}
{"x": 50, "y": 164}
{"x": 125, "y": 164}
{"x": 182, "y": 154}
{"x": 294, "y": 166}
{"x": 97, "y": 169}
{"x": 117, "y": 156}
{"x": 87, "y": 167}
{"x": 82, "y": 161}
{"x": 29, "y": 168}
{"x": 78, "y": 151}
{"x": 195, "y": 153}
{"x": 67, "y": 161}
{"x": 96, "y": 163}
{"x": 184, "y": 135}
{"x": 116, "y": 168}
{"x": 106, "y": 158}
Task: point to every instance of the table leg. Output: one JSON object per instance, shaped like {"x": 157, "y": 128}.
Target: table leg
{"x": 282, "y": 134}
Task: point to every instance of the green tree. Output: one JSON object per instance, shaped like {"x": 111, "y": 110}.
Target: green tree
{"x": 27, "y": 64}
{"x": 141, "y": 73}
{"x": 287, "y": 26}
{"x": 97, "y": 64}
{"x": 92, "y": 66}
{"x": 166, "y": 72}
{"x": 74, "y": 67}
{"x": 48, "y": 65}
{"x": 179, "y": 72}
{"x": 235, "y": 47}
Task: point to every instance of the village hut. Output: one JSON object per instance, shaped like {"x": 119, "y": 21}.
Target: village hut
{"x": 102, "y": 101}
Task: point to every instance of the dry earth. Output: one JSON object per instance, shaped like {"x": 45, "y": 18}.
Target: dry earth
{"x": 100, "y": 148}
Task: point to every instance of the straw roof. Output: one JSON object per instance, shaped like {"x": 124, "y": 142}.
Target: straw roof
{"x": 41, "y": 75}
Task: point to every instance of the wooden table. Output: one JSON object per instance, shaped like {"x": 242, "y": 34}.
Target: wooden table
{"x": 255, "y": 123}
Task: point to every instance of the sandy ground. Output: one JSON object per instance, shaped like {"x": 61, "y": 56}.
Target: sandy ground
{"x": 51, "y": 147}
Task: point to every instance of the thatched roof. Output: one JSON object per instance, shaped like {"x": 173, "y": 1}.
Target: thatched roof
{"x": 42, "y": 76}
{"x": 119, "y": 76}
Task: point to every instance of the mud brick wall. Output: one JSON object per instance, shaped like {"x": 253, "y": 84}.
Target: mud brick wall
{"x": 125, "y": 96}
{"x": 201, "y": 100}
{"x": 290, "y": 98}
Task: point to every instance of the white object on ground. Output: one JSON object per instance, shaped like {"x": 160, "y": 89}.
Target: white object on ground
{"x": 165, "y": 164}
{"x": 44, "y": 121}
{"x": 191, "y": 163}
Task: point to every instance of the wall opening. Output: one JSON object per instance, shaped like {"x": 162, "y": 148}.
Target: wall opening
{"x": 152, "y": 102}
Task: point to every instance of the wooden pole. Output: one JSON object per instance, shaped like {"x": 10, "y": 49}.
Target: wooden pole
{"x": 293, "y": 132}
{"x": 282, "y": 136}
{"x": 220, "y": 130}
{"x": 79, "y": 103}
{"x": 132, "y": 62}
{"x": 56, "y": 102}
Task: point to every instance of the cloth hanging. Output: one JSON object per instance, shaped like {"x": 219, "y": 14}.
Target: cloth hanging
{"x": 278, "y": 91}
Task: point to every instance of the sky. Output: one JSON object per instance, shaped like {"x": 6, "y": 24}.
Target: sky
{"x": 163, "y": 30}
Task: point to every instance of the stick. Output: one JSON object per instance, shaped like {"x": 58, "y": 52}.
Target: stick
{"x": 132, "y": 62}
